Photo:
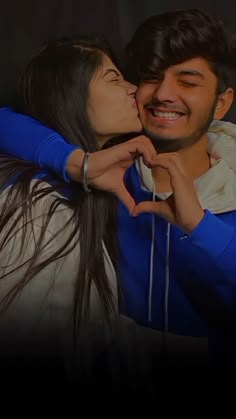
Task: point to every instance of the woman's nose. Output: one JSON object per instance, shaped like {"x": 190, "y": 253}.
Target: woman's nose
{"x": 130, "y": 88}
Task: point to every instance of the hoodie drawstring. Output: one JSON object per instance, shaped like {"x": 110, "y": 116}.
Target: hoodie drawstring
{"x": 151, "y": 268}
{"x": 151, "y": 262}
{"x": 167, "y": 281}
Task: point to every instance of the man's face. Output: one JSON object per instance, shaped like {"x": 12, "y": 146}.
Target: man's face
{"x": 177, "y": 109}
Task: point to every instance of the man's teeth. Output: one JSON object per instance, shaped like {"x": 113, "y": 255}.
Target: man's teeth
{"x": 167, "y": 115}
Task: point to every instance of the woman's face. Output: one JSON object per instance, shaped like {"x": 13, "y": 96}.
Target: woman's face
{"x": 112, "y": 107}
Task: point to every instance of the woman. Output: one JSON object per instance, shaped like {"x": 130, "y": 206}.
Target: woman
{"x": 58, "y": 288}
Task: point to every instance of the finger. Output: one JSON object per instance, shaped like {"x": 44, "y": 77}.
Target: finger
{"x": 160, "y": 208}
{"x": 124, "y": 196}
{"x": 148, "y": 146}
{"x": 132, "y": 149}
{"x": 138, "y": 149}
{"x": 144, "y": 207}
{"x": 173, "y": 158}
{"x": 130, "y": 152}
{"x": 102, "y": 161}
{"x": 177, "y": 175}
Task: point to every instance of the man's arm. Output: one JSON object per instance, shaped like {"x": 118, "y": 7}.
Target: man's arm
{"x": 218, "y": 240}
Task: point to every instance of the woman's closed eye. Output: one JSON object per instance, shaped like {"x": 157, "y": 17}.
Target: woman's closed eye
{"x": 112, "y": 75}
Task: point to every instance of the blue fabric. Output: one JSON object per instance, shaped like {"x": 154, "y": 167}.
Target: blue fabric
{"x": 202, "y": 269}
{"x": 24, "y": 137}
{"x": 202, "y": 290}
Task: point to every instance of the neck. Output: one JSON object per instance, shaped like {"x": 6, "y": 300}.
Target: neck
{"x": 196, "y": 161}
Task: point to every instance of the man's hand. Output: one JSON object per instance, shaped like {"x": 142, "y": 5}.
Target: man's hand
{"x": 182, "y": 207}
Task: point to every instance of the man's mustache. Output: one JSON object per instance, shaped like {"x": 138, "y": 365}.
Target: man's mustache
{"x": 155, "y": 103}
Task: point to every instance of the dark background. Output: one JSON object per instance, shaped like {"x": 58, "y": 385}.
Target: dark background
{"x": 26, "y": 24}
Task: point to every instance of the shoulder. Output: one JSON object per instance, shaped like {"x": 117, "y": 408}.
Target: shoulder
{"x": 40, "y": 208}
{"x": 38, "y": 229}
{"x": 39, "y": 202}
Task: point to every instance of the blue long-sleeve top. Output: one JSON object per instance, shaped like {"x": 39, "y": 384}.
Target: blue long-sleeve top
{"x": 193, "y": 278}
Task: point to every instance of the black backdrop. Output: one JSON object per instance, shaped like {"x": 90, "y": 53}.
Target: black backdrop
{"x": 26, "y": 24}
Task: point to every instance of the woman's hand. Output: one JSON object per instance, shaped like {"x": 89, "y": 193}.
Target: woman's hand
{"x": 106, "y": 168}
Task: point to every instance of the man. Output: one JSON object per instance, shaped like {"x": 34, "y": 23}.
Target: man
{"x": 177, "y": 261}
{"x": 183, "y": 85}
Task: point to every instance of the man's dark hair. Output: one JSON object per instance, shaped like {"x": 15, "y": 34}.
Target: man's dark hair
{"x": 173, "y": 37}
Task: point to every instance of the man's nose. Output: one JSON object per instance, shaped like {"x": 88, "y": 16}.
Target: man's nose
{"x": 166, "y": 91}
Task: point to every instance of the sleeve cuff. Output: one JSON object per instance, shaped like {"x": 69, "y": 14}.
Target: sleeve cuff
{"x": 53, "y": 154}
{"x": 212, "y": 235}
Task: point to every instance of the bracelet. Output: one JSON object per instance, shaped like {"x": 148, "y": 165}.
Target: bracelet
{"x": 85, "y": 173}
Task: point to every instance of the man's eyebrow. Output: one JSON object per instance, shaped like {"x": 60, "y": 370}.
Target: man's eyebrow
{"x": 111, "y": 70}
{"x": 189, "y": 72}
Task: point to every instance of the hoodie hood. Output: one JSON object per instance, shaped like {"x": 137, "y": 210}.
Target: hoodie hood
{"x": 217, "y": 187}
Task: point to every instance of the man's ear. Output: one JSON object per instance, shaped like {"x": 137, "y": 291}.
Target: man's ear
{"x": 224, "y": 102}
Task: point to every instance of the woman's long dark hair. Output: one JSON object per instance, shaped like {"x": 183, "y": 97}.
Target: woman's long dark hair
{"x": 54, "y": 89}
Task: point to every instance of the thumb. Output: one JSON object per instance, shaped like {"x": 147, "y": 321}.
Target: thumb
{"x": 125, "y": 197}
{"x": 160, "y": 208}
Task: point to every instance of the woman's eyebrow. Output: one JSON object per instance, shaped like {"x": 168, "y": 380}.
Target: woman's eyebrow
{"x": 111, "y": 70}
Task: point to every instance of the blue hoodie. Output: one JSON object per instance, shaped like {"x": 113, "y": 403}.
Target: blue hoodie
{"x": 172, "y": 282}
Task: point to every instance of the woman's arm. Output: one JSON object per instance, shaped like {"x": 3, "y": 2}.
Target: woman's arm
{"x": 30, "y": 140}
{"x": 24, "y": 137}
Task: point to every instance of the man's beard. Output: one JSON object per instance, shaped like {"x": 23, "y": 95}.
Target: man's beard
{"x": 169, "y": 145}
